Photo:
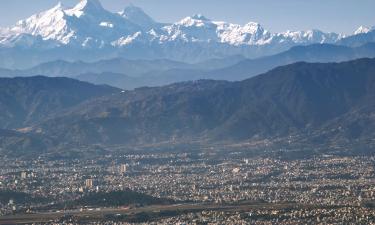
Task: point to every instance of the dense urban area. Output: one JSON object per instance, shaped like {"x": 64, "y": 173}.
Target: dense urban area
{"x": 201, "y": 188}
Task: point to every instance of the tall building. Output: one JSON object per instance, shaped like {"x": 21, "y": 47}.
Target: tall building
{"x": 89, "y": 183}
{"x": 23, "y": 175}
{"x": 123, "y": 168}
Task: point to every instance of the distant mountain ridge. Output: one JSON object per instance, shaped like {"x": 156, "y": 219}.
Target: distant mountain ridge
{"x": 130, "y": 74}
{"x": 89, "y": 32}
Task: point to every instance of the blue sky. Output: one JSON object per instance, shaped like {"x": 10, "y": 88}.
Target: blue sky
{"x": 342, "y": 16}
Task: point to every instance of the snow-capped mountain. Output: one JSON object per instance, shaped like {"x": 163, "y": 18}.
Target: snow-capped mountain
{"x": 137, "y": 16}
{"x": 361, "y": 36}
{"x": 131, "y": 33}
{"x": 362, "y": 30}
{"x": 198, "y": 28}
{"x": 87, "y": 24}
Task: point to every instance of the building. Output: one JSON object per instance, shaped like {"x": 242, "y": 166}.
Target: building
{"x": 123, "y": 168}
{"x": 23, "y": 175}
{"x": 89, "y": 183}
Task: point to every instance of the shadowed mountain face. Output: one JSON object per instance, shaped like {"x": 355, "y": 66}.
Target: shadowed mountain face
{"x": 295, "y": 99}
{"x": 324, "y": 103}
{"x": 27, "y": 101}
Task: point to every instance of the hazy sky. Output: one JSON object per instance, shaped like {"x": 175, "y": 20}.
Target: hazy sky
{"x": 342, "y": 16}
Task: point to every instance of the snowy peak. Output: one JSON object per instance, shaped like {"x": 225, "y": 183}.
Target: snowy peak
{"x": 253, "y": 28}
{"x": 137, "y": 16}
{"x": 362, "y": 30}
{"x": 309, "y": 37}
{"x": 199, "y": 17}
{"x": 89, "y": 5}
{"x": 196, "y": 20}
{"x": 196, "y": 28}
{"x": 44, "y": 24}
{"x": 86, "y": 7}
{"x": 86, "y": 25}
{"x": 250, "y": 34}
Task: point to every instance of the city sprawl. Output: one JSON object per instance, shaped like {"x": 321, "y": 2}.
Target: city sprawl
{"x": 216, "y": 188}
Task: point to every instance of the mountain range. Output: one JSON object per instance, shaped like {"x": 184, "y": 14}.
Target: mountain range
{"x": 89, "y": 32}
{"x": 317, "y": 104}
